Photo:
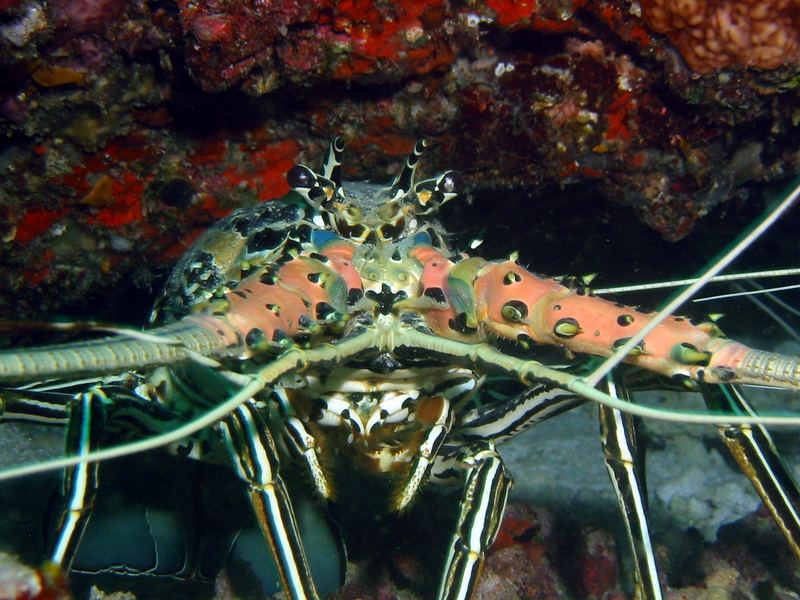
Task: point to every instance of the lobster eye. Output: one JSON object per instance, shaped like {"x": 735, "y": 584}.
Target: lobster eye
{"x": 300, "y": 176}
{"x": 451, "y": 183}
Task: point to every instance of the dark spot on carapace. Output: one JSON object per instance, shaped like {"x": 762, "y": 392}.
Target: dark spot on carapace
{"x": 524, "y": 339}
{"x": 254, "y": 337}
{"x": 567, "y": 327}
{"x": 324, "y": 310}
{"x": 724, "y": 374}
{"x": 619, "y": 343}
{"x": 264, "y": 239}
{"x": 459, "y": 324}
{"x": 514, "y": 311}
{"x": 354, "y": 295}
{"x": 624, "y": 320}
{"x": 436, "y": 294}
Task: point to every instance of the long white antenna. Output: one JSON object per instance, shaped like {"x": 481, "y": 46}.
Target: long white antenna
{"x": 680, "y": 282}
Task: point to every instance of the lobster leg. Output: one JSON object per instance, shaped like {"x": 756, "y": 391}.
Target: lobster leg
{"x": 500, "y": 421}
{"x": 625, "y": 467}
{"x": 30, "y": 407}
{"x": 84, "y": 430}
{"x": 255, "y": 457}
{"x": 754, "y": 451}
{"x": 481, "y": 511}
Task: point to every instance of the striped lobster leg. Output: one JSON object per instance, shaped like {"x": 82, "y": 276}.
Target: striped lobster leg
{"x": 32, "y": 406}
{"x": 87, "y": 417}
{"x": 751, "y": 447}
{"x": 754, "y": 451}
{"x": 84, "y": 415}
{"x": 625, "y": 464}
{"x": 90, "y": 417}
{"x": 501, "y": 421}
{"x": 255, "y": 458}
{"x": 481, "y": 511}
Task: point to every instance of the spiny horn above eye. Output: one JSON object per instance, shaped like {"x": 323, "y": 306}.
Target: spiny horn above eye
{"x": 332, "y": 165}
{"x": 405, "y": 179}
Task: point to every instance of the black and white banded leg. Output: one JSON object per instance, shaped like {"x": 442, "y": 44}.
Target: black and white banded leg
{"x": 754, "y": 451}
{"x": 25, "y": 406}
{"x": 483, "y": 502}
{"x": 79, "y": 487}
{"x": 501, "y": 421}
{"x": 255, "y": 458}
{"x": 625, "y": 467}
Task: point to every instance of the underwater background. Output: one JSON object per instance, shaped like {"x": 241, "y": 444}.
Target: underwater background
{"x": 635, "y": 140}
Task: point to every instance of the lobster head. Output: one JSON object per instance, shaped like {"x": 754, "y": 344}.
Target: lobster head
{"x": 362, "y": 211}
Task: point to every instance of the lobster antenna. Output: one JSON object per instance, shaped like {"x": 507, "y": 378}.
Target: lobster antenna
{"x": 352, "y": 347}
{"x": 749, "y": 293}
{"x": 745, "y": 241}
{"x": 257, "y": 382}
{"x": 405, "y": 179}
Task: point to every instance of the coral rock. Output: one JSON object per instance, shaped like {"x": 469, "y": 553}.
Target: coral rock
{"x": 713, "y": 34}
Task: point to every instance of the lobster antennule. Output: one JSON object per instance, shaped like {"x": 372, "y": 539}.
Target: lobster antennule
{"x": 202, "y": 335}
{"x": 332, "y": 163}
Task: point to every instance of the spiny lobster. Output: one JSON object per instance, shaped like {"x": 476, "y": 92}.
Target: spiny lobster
{"x": 336, "y": 328}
